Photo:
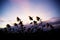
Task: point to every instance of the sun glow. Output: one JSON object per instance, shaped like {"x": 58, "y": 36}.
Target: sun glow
{"x": 25, "y": 8}
{"x": 12, "y": 19}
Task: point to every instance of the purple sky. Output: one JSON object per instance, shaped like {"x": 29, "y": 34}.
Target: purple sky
{"x": 10, "y": 9}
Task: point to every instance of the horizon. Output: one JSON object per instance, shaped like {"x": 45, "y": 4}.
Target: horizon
{"x": 46, "y": 21}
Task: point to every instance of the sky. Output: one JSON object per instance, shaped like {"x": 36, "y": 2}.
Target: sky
{"x": 10, "y": 9}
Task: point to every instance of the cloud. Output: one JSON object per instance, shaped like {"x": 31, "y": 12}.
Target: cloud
{"x": 3, "y": 22}
{"x": 54, "y": 20}
{"x": 2, "y": 19}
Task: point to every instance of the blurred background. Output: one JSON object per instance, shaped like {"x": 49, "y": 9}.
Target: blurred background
{"x": 10, "y": 9}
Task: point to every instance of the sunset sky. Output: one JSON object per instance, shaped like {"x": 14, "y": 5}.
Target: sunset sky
{"x": 10, "y": 9}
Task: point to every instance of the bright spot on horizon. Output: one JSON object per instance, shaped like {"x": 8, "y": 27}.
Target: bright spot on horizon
{"x": 24, "y": 8}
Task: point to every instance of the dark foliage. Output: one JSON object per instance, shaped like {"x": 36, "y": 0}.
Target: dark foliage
{"x": 21, "y": 23}
{"x": 37, "y": 18}
{"x": 35, "y": 22}
{"x": 30, "y": 18}
{"x": 33, "y": 31}
{"x": 15, "y": 24}
{"x": 8, "y": 26}
{"x": 49, "y": 25}
{"x": 18, "y": 19}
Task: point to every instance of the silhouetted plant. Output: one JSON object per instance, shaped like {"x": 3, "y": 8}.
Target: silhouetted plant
{"x": 15, "y": 24}
{"x": 29, "y": 30}
{"x": 5, "y": 29}
{"x": 37, "y": 18}
{"x": 20, "y": 23}
{"x": 24, "y": 28}
{"x": 21, "y": 26}
{"x": 47, "y": 25}
{"x": 35, "y": 22}
{"x": 18, "y": 19}
{"x": 38, "y": 29}
{"x": 31, "y": 22}
{"x": 8, "y": 26}
{"x": 51, "y": 26}
{"x": 34, "y": 28}
{"x": 30, "y": 18}
{"x": 43, "y": 25}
